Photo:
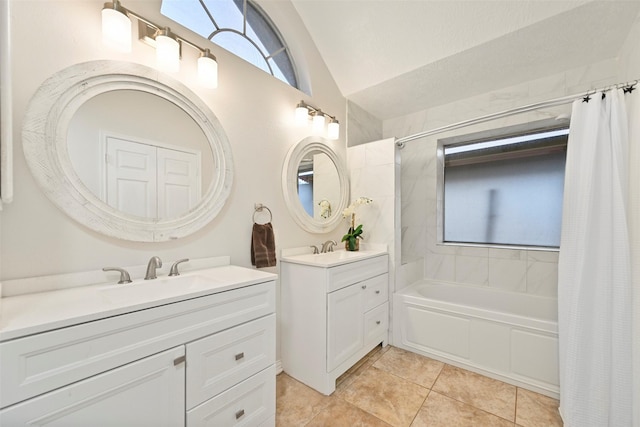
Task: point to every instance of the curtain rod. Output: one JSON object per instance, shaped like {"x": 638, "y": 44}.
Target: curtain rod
{"x": 400, "y": 142}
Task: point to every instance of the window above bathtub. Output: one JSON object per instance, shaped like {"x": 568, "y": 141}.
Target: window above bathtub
{"x": 503, "y": 187}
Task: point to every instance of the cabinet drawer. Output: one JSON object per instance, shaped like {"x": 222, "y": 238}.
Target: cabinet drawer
{"x": 250, "y": 403}
{"x": 37, "y": 364}
{"x": 348, "y": 274}
{"x": 376, "y": 291}
{"x": 376, "y": 322}
{"x": 220, "y": 361}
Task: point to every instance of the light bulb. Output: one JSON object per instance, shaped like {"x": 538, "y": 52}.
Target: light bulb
{"x": 333, "y": 129}
{"x": 116, "y": 27}
{"x": 167, "y": 51}
{"x": 302, "y": 114}
{"x": 318, "y": 122}
{"x": 208, "y": 70}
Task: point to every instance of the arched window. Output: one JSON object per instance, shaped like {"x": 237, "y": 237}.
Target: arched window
{"x": 240, "y": 27}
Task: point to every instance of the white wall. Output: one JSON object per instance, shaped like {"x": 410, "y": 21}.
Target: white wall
{"x": 255, "y": 109}
{"x": 529, "y": 271}
{"x": 630, "y": 54}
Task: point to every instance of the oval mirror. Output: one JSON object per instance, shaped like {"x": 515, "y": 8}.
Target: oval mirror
{"x": 315, "y": 185}
{"x": 127, "y": 152}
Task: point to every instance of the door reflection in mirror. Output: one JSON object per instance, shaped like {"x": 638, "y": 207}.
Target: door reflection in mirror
{"x": 140, "y": 154}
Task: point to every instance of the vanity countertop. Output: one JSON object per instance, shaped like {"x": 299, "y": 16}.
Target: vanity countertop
{"x": 332, "y": 259}
{"x": 33, "y": 313}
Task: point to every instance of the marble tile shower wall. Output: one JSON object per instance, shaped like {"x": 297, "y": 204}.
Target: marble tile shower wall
{"x": 530, "y": 271}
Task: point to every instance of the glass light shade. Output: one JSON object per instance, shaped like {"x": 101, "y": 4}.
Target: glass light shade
{"x": 116, "y": 30}
{"x": 318, "y": 122}
{"x": 208, "y": 72}
{"x": 167, "y": 53}
{"x": 302, "y": 115}
{"x": 333, "y": 130}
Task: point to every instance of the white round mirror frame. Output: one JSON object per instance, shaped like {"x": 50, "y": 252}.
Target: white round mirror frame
{"x": 290, "y": 185}
{"x": 44, "y": 138}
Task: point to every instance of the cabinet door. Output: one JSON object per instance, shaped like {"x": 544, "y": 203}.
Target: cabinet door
{"x": 149, "y": 392}
{"x": 345, "y": 332}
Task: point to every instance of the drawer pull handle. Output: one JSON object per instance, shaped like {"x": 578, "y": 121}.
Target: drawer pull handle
{"x": 239, "y": 413}
{"x": 179, "y": 360}
{"x": 364, "y": 286}
{"x": 377, "y": 292}
{"x": 377, "y": 322}
{"x": 240, "y": 356}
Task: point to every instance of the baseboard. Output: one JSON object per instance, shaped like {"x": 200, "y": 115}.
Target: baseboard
{"x": 278, "y": 366}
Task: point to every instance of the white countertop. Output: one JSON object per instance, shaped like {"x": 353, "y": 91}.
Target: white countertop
{"x": 33, "y": 313}
{"x": 332, "y": 259}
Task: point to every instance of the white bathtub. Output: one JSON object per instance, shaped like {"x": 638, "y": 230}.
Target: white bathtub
{"x": 509, "y": 336}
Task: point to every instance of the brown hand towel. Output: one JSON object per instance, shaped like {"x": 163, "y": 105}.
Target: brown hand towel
{"x": 263, "y": 246}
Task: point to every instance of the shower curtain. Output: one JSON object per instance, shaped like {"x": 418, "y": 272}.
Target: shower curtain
{"x": 598, "y": 280}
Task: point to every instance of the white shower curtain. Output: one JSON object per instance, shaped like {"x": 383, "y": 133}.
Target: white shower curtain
{"x": 597, "y": 292}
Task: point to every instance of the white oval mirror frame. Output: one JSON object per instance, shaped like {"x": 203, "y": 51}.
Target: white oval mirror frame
{"x": 290, "y": 185}
{"x": 44, "y": 138}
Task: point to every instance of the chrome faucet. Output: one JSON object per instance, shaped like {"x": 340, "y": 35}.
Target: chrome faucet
{"x": 174, "y": 268}
{"x": 154, "y": 263}
{"x": 315, "y": 249}
{"x": 328, "y": 246}
{"x": 124, "y": 274}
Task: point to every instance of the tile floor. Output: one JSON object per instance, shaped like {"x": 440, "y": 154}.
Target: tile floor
{"x": 394, "y": 387}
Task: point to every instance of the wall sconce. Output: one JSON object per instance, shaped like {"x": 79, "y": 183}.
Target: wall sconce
{"x": 116, "y": 33}
{"x": 304, "y": 112}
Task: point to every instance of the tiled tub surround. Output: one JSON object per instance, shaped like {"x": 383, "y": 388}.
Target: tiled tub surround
{"x": 528, "y": 271}
{"x": 394, "y": 387}
{"x": 506, "y": 335}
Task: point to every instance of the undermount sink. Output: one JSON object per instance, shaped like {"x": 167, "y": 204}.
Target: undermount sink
{"x": 160, "y": 288}
{"x": 331, "y": 259}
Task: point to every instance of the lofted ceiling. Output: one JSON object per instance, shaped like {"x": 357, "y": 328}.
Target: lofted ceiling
{"x": 396, "y": 57}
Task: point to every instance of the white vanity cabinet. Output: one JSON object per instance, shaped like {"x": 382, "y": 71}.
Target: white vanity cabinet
{"x": 202, "y": 361}
{"x": 332, "y": 316}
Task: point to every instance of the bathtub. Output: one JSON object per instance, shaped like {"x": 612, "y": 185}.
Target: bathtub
{"x": 508, "y": 336}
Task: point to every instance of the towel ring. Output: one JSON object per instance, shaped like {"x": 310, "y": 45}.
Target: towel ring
{"x": 259, "y": 207}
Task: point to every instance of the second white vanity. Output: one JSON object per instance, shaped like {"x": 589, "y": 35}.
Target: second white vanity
{"x": 334, "y": 311}
{"x": 195, "y": 350}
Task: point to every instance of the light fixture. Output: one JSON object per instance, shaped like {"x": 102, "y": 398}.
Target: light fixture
{"x": 167, "y": 50}
{"x": 317, "y": 121}
{"x": 302, "y": 114}
{"x": 116, "y": 33}
{"x": 333, "y": 129}
{"x": 116, "y": 27}
{"x": 305, "y": 111}
{"x": 208, "y": 70}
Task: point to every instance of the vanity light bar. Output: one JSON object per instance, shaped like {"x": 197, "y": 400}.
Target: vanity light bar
{"x": 305, "y": 112}
{"x": 116, "y": 33}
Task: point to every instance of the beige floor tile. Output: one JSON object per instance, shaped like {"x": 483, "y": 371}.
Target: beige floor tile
{"x": 296, "y": 404}
{"x": 390, "y": 398}
{"x": 476, "y": 390}
{"x": 442, "y": 411}
{"x": 410, "y": 366}
{"x": 343, "y": 414}
{"x": 534, "y": 410}
{"x": 363, "y": 364}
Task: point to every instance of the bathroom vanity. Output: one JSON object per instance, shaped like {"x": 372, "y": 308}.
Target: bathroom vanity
{"x": 197, "y": 350}
{"x": 334, "y": 311}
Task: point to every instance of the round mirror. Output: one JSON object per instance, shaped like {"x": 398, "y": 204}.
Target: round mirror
{"x": 127, "y": 152}
{"x": 315, "y": 185}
